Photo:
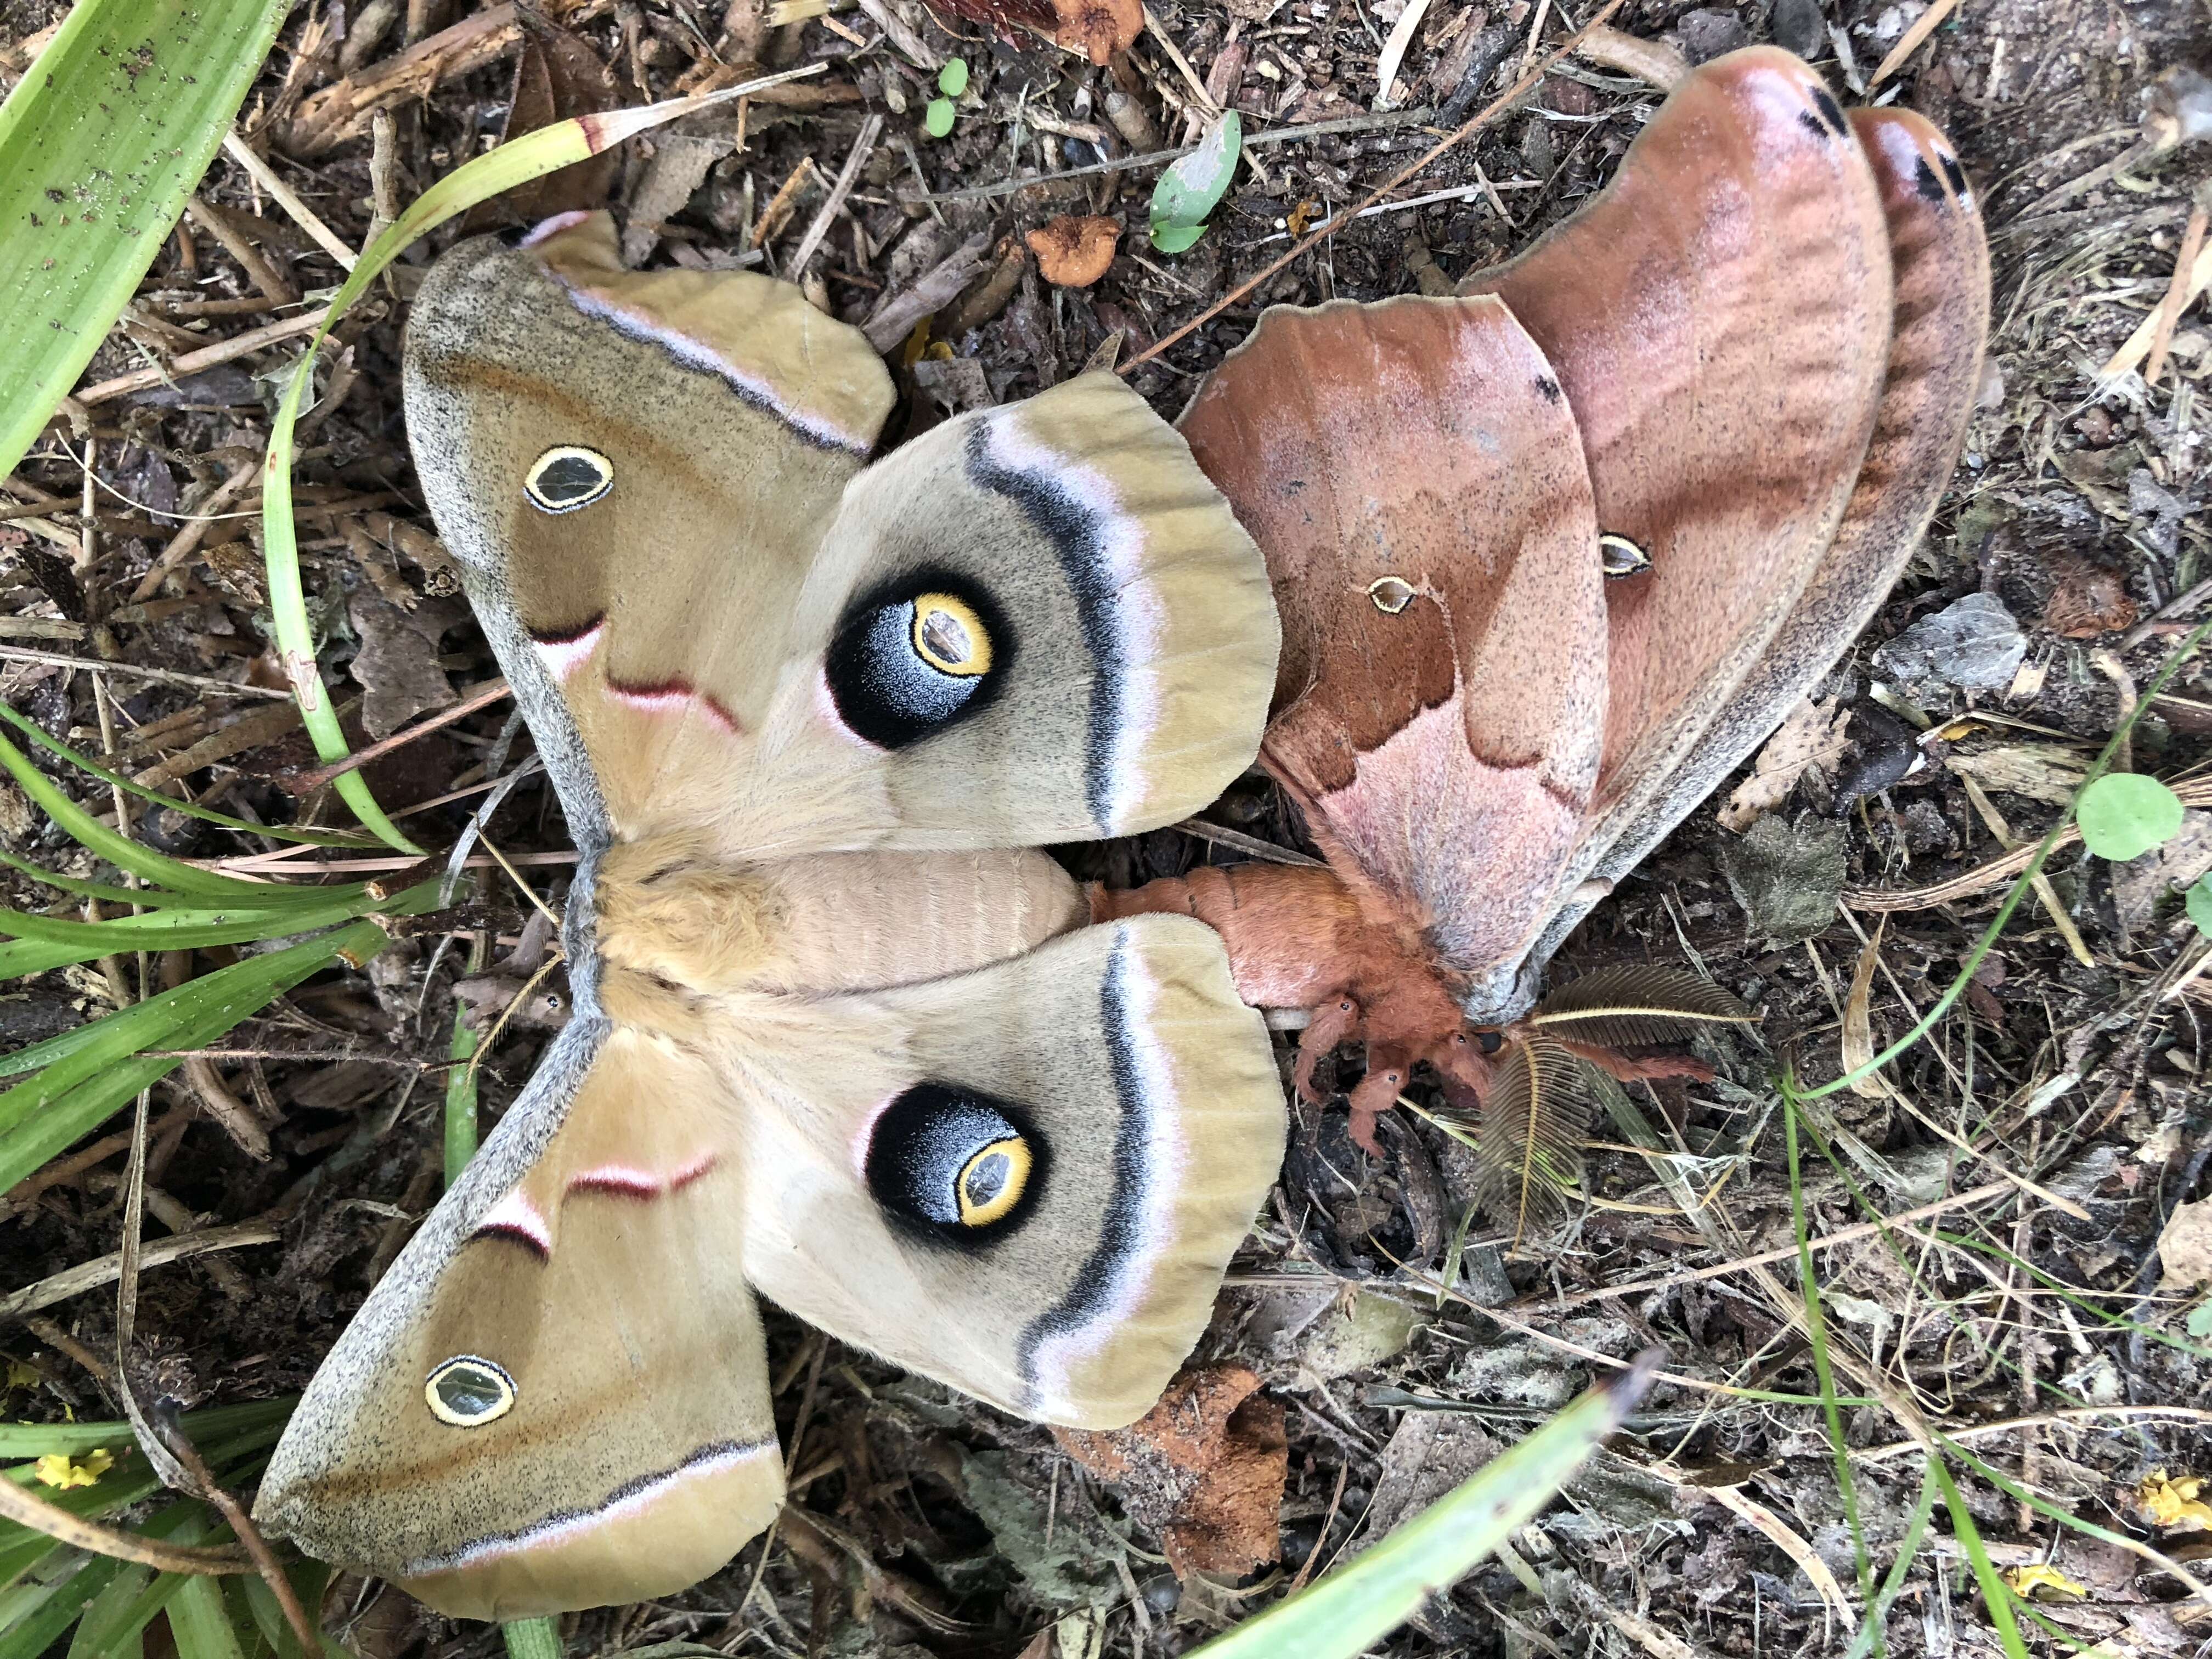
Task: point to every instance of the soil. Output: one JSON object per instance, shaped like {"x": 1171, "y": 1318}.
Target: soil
{"x": 928, "y": 1523}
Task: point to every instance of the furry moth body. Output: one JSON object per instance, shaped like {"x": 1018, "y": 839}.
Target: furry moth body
{"x": 1554, "y": 556}
{"x": 841, "y": 1037}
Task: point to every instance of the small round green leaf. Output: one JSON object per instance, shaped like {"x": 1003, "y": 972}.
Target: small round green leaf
{"x": 2124, "y": 815}
{"x": 2200, "y": 906}
{"x": 937, "y": 119}
{"x": 952, "y": 79}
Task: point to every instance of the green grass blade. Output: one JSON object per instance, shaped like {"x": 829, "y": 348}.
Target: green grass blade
{"x": 186, "y": 929}
{"x": 75, "y": 1095}
{"x": 104, "y": 1632}
{"x": 221, "y": 1433}
{"x": 532, "y": 1638}
{"x": 2018, "y": 890}
{"x": 1816, "y": 1331}
{"x": 119, "y": 850}
{"x": 1995, "y": 1592}
{"x": 84, "y": 763}
{"x": 460, "y": 1095}
{"x": 1354, "y": 1608}
{"x": 62, "y": 1606}
{"x": 155, "y": 896}
{"x": 1875, "y": 1615}
{"x": 516, "y": 162}
{"x": 201, "y": 1622}
{"x": 101, "y": 143}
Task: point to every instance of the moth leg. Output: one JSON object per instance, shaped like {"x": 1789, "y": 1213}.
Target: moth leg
{"x": 1637, "y": 1068}
{"x": 1336, "y": 1021}
{"x": 1463, "y": 1070}
{"x": 1377, "y": 1093}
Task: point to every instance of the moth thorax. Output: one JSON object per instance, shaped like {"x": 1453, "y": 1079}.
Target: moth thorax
{"x": 685, "y": 921}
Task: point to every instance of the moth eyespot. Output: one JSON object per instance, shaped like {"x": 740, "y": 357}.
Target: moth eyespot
{"x": 1391, "y": 594}
{"x": 991, "y": 1182}
{"x": 568, "y": 476}
{"x": 468, "y": 1392}
{"x": 909, "y": 662}
{"x": 1489, "y": 1042}
{"x": 950, "y": 636}
{"x": 954, "y": 1161}
{"x": 1618, "y": 557}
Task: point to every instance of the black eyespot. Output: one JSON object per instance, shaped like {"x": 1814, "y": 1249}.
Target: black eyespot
{"x": 1831, "y": 111}
{"x": 1925, "y": 181}
{"x": 1618, "y": 557}
{"x": 468, "y": 1392}
{"x": 909, "y": 659}
{"x": 1489, "y": 1042}
{"x": 568, "y": 476}
{"x": 955, "y": 1163}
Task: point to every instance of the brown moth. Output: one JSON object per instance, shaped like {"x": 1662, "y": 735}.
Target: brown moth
{"x": 1736, "y": 383}
{"x": 841, "y": 1036}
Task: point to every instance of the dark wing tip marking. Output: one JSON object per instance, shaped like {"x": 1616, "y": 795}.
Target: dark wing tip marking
{"x": 1120, "y": 1226}
{"x": 1549, "y": 387}
{"x": 1954, "y": 172}
{"x": 549, "y": 1526}
{"x": 1078, "y": 539}
{"x": 1831, "y": 111}
{"x": 1929, "y": 186}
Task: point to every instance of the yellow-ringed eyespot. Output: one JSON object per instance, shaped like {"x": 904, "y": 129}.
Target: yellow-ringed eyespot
{"x": 912, "y": 657}
{"x": 991, "y": 1182}
{"x": 950, "y": 636}
{"x": 568, "y": 476}
{"x": 1619, "y": 556}
{"x": 469, "y": 1391}
{"x": 955, "y": 1164}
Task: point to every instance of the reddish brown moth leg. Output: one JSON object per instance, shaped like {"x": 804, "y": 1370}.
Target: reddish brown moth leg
{"x": 1332, "y": 1022}
{"x": 1376, "y": 1093}
{"x": 1463, "y": 1070}
{"x": 1637, "y": 1068}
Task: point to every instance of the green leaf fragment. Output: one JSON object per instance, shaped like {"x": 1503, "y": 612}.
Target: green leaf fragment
{"x": 2124, "y": 815}
{"x": 937, "y": 118}
{"x": 2200, "y": 906}
{"x": 1193, "y": 185}
{"x": 952, "y": 79}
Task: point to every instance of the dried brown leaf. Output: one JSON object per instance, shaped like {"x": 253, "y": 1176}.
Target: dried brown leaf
{"x": 1205, "y": 1467}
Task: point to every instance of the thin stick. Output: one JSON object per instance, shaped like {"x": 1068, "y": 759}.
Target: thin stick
{"x": 847, "y": 176}
{"x": 104, "y": 1270}
{"x": 1788, "y": 1253}
{"x": 483, "y": 696}
{"x": 2041, "y": 1420}
{"x": 1344, "y": 217}
{"x": 302, "y": 215}
{"x": 26, "y": 1508}
{"x": 1290, "y": 135}
{"x": 191, "y": 363}
{"x": 186, "y": 542}
{"x": 2177, "y": 295}
{"x": 1909, "y": 43}
{"x": 167, "y": 676}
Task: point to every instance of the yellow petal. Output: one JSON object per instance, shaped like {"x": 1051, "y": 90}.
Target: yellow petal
{"x": 2174, "y": 1503}
{"x": 58, "y": 1470}
{"x": 2025, "y": 1581}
